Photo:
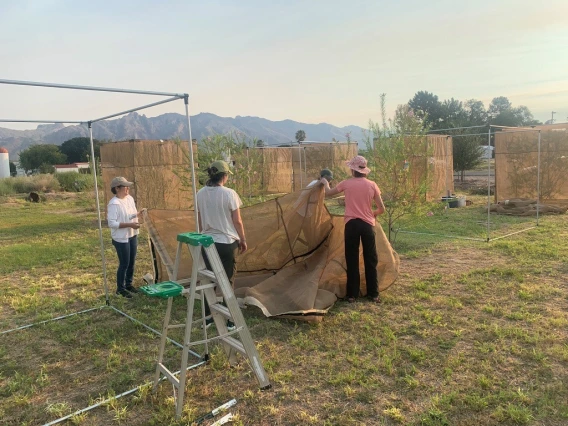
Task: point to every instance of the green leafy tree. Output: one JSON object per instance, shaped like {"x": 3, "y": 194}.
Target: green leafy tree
{"x": 33, "y": 158}
{"x": 259, "y": 143}
{"x": 300, "y": 136}
{"x": 397, "y": 150}
{"x": 467, "y": 153}
{"x": 13, "y": 169}
{"x": 502, "y": 113}
{"x": 78, "y": 150}
{"x": 428, "y": 108}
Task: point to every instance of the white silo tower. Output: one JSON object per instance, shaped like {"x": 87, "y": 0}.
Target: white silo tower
{"x": 4, "y": 163}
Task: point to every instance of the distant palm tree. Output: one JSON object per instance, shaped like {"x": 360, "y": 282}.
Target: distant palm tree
{"x": 300, "y": 136}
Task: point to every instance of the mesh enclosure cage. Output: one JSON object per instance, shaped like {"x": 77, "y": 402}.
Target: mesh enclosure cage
{"x": 517, "y": 164}
{"x": 159, "y": 170}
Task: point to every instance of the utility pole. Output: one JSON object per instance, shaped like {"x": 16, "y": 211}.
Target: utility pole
{"x": 552, "y": 120}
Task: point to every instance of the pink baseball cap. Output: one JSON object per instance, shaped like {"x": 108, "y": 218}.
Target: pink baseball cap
{"x": 359, "y": 164}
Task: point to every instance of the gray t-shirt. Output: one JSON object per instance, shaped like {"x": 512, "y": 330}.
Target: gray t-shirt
{"x": 216, "y": 204}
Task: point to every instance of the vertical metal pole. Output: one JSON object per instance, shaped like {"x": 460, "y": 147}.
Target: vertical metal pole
{"x": 538, "y": 183}
{"x": 489, "y": 186}
{"x": 193, "y": 180}
{"x": 94, "y": 171}
{"x": 300, "y": 157}
{"x": 448, "y": 191}
{"x": 305, "y": 164}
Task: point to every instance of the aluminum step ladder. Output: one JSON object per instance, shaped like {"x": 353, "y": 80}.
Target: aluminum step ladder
{"x": 203, "y": 285}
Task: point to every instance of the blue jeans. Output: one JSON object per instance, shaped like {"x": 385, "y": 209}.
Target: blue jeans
{"x": 126, "y": 258}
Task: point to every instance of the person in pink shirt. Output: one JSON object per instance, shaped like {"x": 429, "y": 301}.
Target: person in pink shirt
{"x": 359, "y": 226}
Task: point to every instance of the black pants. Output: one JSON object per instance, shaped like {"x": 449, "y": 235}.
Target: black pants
{"x": 227, "y": 253}
{"x": 357, "y": 230}
{"x": 126, "y": 258}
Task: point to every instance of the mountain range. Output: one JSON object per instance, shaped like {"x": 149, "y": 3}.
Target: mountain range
{"x": 171, "y": 125}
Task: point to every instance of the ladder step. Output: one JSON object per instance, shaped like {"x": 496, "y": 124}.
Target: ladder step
{"x": 208, "y": 274}
{"x": 223, "y": 310}
{"x": 234, "y": 343}
{"x": 169, "y": 375}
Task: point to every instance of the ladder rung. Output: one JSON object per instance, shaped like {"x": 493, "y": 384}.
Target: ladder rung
{"x": 176, "y": 326}
{"x": 204, "y": 286}
{"x": 234, "y": 343}
{"x": 208, "y": 274}
{"x": 212, "y": 339}
{"x": 223, "y": 310}
{"x": 170, "y": 376}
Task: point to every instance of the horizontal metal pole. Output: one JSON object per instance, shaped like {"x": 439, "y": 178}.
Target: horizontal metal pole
{"x": 512, "y": 233}
{"x": 442, "y": 235}
{"x": 174, "y": 98}
{"x": 457, "y": 128}
{"x": 179, "y": 345}
{"x": 8, "y": 120}
{"x": 91, "y": 88}
{"x": 112, "y": 398}
{"x": 52, "y": 319}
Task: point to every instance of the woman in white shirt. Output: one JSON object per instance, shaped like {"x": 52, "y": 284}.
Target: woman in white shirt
{"x": 122, "y": 218}
{"x": 220, "y": 217}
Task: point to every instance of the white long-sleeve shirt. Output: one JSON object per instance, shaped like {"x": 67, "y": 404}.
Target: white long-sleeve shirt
{"x": 122, "y": 210}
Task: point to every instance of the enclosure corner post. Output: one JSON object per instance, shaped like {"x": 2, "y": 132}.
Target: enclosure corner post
{"x": 538, "y": 182}
{"x": 94, "y": 171}
{"x": 489, "y": 187}
{"x": 191, "y": 162}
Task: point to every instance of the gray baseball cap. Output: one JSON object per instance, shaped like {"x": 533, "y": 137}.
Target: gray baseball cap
{"x": 120, "y": 181}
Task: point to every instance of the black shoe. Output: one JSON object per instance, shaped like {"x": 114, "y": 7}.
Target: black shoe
{"x": 124, "y": 293}
{"x": 132, "y": 289}
{"x": 230, "y": 325}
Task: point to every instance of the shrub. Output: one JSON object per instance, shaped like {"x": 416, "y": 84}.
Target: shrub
{"x": 6, "y": 187}
{"x": 36, "y": 183}
{"x": 75, "y": 182}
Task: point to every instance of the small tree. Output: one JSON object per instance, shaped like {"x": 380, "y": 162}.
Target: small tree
{"x": 397, "y": 152}
{"x": 467, "y": 153}
{"x": 300, "y": 136}
{"x": 13, "y": 169}
{"x": 41, "y": 156}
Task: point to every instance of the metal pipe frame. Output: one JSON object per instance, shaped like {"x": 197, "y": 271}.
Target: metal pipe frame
{"x": 50, "y": 320}
{"x": 153, "y": 104}
{"x": 89, "y": 88}
{"x": 7, "y": 120}
{"x": 489, "y": 188}
{"x": 128, "y": 392}
{"x": 173, "y": 96}
{"x": 489, "y": 133}
{"x": 456, "y": 128}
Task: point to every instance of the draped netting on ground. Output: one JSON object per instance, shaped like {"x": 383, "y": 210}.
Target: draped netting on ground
{"x": 295, "y": 264}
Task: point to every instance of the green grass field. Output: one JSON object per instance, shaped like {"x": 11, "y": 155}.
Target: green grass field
{"x": 470, "y": 334}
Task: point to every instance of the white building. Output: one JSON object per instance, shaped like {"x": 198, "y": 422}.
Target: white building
{"x": 4, "y": 163}
{"x": 74, "y": 167}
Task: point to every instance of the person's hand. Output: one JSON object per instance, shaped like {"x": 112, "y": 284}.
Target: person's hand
{"x": 325, "y": 182}
{"x": 242, "y": 246}
{"x": 376, "y": 212}
{"x": 134, "y": 225}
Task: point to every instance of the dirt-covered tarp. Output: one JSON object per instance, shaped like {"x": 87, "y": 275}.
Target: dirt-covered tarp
{"x": 295, "y": 264}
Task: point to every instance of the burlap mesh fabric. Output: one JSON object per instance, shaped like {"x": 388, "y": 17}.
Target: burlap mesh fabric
{"x": 295, "y": 263}
{"x": 516, "y": 164}
{"x": 159, "y": 170}
{"x": 440, "y": 166}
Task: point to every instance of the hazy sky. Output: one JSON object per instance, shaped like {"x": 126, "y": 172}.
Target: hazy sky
{"x": 311, "y": 61}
